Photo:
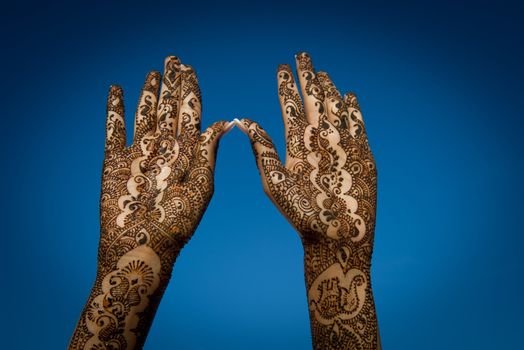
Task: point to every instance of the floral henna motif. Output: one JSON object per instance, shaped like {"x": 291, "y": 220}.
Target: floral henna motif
{"x": 154, "y": 193}
{"x": 327, "y": 191}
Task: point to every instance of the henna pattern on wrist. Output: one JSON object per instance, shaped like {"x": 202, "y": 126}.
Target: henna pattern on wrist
{"x": 341, "y": 305}
{"x": 154, "y": 193}
{"x": 327, "y": 191}
{"x": 112, "y": 316}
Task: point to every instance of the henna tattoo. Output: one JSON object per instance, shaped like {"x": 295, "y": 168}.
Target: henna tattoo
{"x": 112, "y": 316}
{"x": 327, "y": 191}
{"x": 154, "y": 193}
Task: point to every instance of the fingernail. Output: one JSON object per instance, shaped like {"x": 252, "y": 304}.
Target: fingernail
{"x": 240, "y": 125}
{"x": 229, "y": 126}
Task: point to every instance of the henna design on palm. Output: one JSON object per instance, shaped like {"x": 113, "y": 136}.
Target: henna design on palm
{"x": 154, "y": 193}
{"x": 327, "y": 191}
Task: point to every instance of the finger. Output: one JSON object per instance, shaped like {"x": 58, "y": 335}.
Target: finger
{"x": 115, "y": 125}
{"x": 311, "y": 90}
{"x": 351, "y": 100}
{"x": 356, "y": 122}
{"x": 293, "y": 115}
{"x": 329, "y": 88}
{"x": 169, "y": 97}
{"x": 145, "y": 118}
{"x": 336, "y": 110}
{"x": 272, "y": 172}
{"x": 188, "y": 117}
{"x": 190, "y": 104}
{"x": 358, "y": 130}
{"x": 208, "y": 144}
{"x": 200, "y": 176}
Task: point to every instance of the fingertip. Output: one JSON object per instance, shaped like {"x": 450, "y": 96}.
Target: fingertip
{"x": 283, "y": 67}
{"x": 171, "y": 64}
{"x": 351, "y": 100}
{"x": 187, "y": 68}
{"x": 115, "y": 126}
{"x": 304, "y": 62}
{"x": 242, "y": 128}
{"x": 246, "y": 121}
{"x": 302, "y": 55}
{"x": 238, "y": 123}
{"x": 284, "y": 72}
{"x": 216, "y": 130}
{"x": 255, "y": 132}
{"x": 228, "y": 126}
{"x": 243, "y": 124}
{"x": 115, "y": 98}
{"x": 323, "y": 79}
{"x": 171, "y": 59}
{"x": 223, "y": 127}
{"x": 115, "y": 89}
{"x": 154, "y": 74}
{"x": 153, "y": 81}
{"x": 220, "y": 126}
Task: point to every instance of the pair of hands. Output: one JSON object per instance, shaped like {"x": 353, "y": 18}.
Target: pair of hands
{"x": 155, "y": 191}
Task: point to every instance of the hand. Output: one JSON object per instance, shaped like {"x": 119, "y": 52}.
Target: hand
{"x": 154, "y": 193}
{"x": 327, "y": 191}
{"x": 327, "y": 188}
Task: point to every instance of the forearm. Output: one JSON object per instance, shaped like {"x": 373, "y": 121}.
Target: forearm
{"x": 124, "y": 299}
{"x": 340, "y": 298}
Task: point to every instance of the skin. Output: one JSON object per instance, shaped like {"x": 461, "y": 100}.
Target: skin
{"x": 154, "y": 193}
{"x": 327, "y": 190}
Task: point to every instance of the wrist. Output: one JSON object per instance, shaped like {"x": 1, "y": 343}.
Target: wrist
{"x": 339, "y": 294}
{"x": 144, "y": 243}
{"x": 125, "y": 297}
{"x": 323, "y": 252}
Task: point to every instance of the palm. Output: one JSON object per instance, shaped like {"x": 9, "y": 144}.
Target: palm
{"x": 157, "y": 189}
{"x": 327, "y": 188}
{"x": 149, "y": 186}
{"x": 337, "y": 183}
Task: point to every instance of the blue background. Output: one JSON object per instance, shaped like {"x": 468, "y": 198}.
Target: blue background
{"x": 440, "y": 86}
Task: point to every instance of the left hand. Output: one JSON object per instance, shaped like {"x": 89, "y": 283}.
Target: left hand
{"x": 327, "y": 187}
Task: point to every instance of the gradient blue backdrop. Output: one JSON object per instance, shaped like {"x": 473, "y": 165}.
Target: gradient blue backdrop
{"x": 440, "y": 86}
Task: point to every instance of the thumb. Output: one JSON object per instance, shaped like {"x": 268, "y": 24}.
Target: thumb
{"x": 269, "y": 165}
{"x": 208, "y": 141}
